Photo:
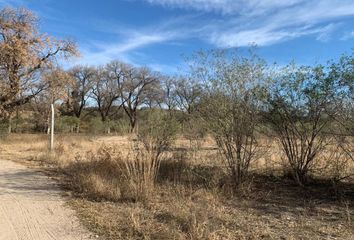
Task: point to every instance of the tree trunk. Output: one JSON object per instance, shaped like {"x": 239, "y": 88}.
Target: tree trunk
{"x": 132, "y": 125}
{"x": 9, "y": 129}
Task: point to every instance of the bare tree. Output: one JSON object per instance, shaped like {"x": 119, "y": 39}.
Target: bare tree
{"x": 169, "y": 92}
{"x": 154, "y": 95}
{"x": 187, "y": 93}
{"x": 105, "y": 92}
{"x": 79, "y": 90}
{"x": 24, "y": 54}
{"x": 137, "y": 82}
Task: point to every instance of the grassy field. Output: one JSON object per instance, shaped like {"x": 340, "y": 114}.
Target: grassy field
{"x": 192, "y": 198}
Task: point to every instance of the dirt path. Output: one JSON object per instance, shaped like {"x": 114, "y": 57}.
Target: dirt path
{"x": 31, "y": 207}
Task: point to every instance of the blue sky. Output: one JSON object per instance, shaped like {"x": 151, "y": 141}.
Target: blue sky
{"x": 157, "y": 33}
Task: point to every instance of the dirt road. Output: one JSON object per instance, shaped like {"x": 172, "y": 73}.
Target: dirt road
{"x": 31, "y": 207}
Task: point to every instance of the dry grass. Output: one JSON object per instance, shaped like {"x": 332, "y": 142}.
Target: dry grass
{"x": 183, "y": 213}
{"x": 190, "y": 197}
{"x": 113, "y": 175}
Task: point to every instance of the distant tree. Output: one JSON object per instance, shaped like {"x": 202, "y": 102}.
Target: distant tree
{"x": 105, "y": 92}
{"x": 169, "y": 92}
{"x": 126, "y": 87}
{"x": 79, "y": 90}
{"x": 154, "y": 94}
{"x": 187, "y": 93}
{"x": 139, "y": 81}
{"x": 24, "y": 54}
{"x": 135, "y": 86}
{"x": 40, "y": 112}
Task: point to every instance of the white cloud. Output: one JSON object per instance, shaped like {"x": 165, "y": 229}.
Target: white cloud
{"x": 135, "y": 42}
{"x": 265, "y": 22}
{"x": 226, "y": 6}
{"x": 97, "y": 53}
{"x": 267, "y": 36}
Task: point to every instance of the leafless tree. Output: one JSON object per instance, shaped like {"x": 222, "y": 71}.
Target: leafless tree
{"x": 79, "y": 90}
{"x": 154, "y": 96}
{"x": 127, "y": 86}
{"x": 169, "y": 92}
{"x": 133, "y": 91}
{"x": 105, "y": 92}
{"x": 187, "y": 93}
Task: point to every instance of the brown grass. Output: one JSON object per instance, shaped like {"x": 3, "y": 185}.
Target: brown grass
{"x": 189, "y": 197}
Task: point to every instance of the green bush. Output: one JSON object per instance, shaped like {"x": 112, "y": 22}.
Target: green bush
{"x": 67, "y": 124}
{"x": 4, "y": 129}
{"x": 96, "y": 126}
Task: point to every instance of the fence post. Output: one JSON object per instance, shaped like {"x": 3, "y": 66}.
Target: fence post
{"x": 52, "y": 129}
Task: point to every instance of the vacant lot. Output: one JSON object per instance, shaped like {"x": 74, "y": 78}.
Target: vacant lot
{"x": 192, "y": 198}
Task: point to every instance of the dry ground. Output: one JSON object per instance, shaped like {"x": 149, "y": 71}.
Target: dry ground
{"x": 32, "y": 208}
{"x": 195, "y": 206}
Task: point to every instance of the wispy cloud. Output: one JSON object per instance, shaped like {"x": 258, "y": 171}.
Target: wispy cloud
{"x": 227, "y": 6}
{"x": 265, "y": 22}
{"x": 265, "y": 36}
{"x": 130, "y": 40}
{"x": 136, "y": 41}
{"x": 95, "y": 53}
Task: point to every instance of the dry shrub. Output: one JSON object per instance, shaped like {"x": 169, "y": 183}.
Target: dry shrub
{"x": 179, "y": 171}
{"x": 140, "y": 173}
{"x": 174, "y": 168}
{"x": 154, "y": 141}
{"x": 98, "y": 175}
{"x": 111, "y": 175}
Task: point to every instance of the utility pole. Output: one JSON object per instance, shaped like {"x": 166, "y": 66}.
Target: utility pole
{"x": 52, "y": 129}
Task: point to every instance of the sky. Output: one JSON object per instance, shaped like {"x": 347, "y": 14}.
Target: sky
{"x": 159, "y": 33}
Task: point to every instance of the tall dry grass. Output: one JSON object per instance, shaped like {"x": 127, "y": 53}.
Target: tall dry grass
{"x": 112, "y": 175}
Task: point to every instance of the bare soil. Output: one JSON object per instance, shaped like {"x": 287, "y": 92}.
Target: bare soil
{"x": 32, "y": 207}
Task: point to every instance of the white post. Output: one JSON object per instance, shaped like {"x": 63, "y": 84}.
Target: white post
{"x": 52, "y": 130}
